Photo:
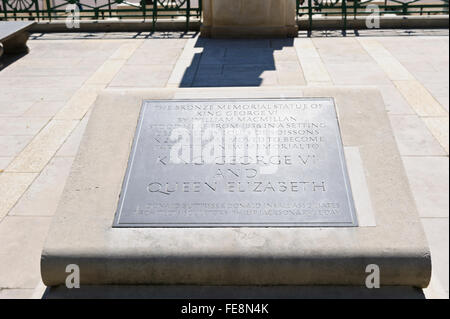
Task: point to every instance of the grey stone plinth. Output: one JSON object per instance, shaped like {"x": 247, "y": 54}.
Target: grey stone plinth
{"x": 389, "y": 234}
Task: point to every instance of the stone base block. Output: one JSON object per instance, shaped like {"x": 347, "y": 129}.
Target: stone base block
{"x": 389, "y": 232}
{"x": 249, "y": 18}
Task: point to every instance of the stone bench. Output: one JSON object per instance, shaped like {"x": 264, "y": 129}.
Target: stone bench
{"x": 14, "y": 36}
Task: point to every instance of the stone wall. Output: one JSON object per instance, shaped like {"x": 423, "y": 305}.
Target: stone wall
{"x": 249, "y": 18}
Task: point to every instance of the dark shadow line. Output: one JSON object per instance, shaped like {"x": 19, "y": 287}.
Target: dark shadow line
{"x": 8, "y": 59}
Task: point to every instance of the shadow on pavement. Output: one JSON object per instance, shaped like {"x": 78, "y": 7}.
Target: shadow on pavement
{"x": 232, "y": 62}
{"x": 8, "y": 59}
{"x": 231, "y": 292}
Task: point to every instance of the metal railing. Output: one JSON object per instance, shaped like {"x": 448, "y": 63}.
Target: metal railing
{"x": 152, "y": 10}
{"x": 351, "y": 9}
{"x": 49, "y": 10}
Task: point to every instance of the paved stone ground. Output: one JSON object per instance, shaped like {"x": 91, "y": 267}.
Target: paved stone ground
{"x": 45, "y": 97}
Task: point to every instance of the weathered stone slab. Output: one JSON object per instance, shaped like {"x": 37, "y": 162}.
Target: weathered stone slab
{"x": 82, "y": 232}
{"x": 241, "y": 162}
{"x": 9, "y": 29}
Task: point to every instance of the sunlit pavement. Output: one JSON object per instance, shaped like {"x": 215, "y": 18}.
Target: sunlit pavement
{"x": 45, "y": 97}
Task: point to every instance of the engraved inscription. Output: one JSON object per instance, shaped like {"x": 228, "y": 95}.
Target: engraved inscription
{"x": 237, "y": 163}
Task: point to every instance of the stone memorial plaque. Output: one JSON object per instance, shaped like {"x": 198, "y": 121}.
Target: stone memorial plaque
{"x": 237, "y": 163}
